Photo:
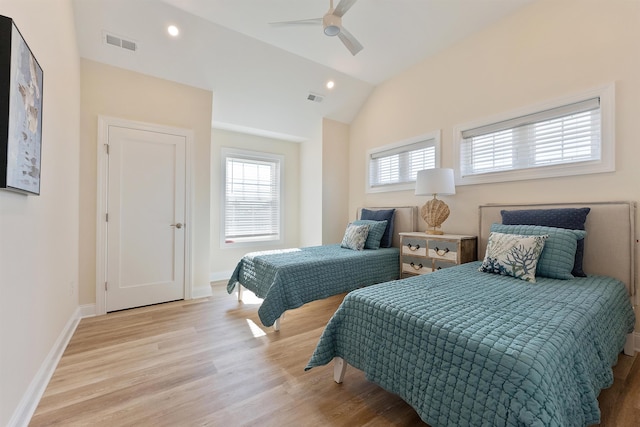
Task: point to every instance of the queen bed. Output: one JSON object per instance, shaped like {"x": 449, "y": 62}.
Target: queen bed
{"x": 469, "y": 347}
{"x": 287, "y": 279}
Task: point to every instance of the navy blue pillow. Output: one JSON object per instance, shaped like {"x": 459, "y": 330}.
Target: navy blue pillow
{"x": 569, "y": 218}
{"x": 381, "y": 215}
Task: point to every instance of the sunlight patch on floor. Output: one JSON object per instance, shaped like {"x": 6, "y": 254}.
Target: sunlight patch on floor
{"x": 255, "y": 329}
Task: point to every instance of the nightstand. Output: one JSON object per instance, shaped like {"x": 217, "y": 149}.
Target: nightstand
{"x": 423, "y": 253}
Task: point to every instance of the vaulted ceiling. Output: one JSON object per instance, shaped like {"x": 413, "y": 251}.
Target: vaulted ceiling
{"x": 261, "y": 74}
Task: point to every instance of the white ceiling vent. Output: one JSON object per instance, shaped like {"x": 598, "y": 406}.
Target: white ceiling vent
{"x": 118, "y": 41}
{"x": 314, "y": 97}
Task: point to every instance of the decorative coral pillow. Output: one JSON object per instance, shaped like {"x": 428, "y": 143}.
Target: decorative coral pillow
{"x": 568, "y": 218}
{"x": 559, "y": 252}
{"x": 513, "y": 255}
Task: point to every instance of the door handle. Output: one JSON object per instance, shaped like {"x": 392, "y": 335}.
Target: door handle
{"x": 177, "y": 225}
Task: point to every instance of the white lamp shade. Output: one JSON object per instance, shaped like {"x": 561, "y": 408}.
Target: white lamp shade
{"x": 435, "y": 181}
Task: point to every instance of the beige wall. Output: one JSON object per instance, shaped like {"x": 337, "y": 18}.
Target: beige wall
{"x": 39, "y": 234}
{"x": 335, "y": 176}
{"x": 311, "y": 184}
{"x": 547, "y": 50}
{"x": 123, "y": 94}
{"x": 224, "y": 260}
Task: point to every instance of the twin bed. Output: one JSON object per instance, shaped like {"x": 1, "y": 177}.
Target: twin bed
{"x": 465, "y": 347}
{"x": 287, "y": 279}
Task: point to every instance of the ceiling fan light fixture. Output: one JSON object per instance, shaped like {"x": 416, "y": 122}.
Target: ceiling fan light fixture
{"x": 332, "y": 24}
{"x": 332, "y": 30}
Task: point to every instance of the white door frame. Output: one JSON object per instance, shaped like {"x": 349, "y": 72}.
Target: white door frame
{"x": 101, "y": 226}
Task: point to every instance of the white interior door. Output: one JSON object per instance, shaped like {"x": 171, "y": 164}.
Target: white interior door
{"x": 145, "y": 255}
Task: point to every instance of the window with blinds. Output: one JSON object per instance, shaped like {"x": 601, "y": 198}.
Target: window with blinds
{"x": 394, "y": 167}
{"x": 252, "y": 197}
{"x": 568, "y": 139}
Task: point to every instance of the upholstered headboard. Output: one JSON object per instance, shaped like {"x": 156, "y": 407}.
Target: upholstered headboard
{"x": 609, "y": 247}
{"x": 405, "y": 219}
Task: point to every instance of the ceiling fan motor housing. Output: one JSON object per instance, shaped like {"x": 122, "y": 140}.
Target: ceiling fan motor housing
{"x": 332, "y": 24}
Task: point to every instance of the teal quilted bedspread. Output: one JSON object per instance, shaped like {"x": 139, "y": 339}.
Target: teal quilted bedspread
{"x": 289, "y": 278}
{"x": 466, "y": 348}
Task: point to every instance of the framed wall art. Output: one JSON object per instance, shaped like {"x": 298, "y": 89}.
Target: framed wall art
{"x": 21, "y": 80}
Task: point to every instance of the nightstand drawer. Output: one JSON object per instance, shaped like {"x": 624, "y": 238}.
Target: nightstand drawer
{"x": 414, "y": 246}
{"x": 440, "y": 249}
{"x": 416, "y": 265}
{"x": 440, "y": 264}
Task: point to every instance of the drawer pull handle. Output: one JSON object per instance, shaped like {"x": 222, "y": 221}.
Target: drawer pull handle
{"x": 419, "y": 267}
{"x": 412, "y": 247}
{"x": 442, "y": 252}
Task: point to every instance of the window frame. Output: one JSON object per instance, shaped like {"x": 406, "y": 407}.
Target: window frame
{"x": 606, "y": 163}
{"x": 434, "y": 135}
{"x": 227, "y": 152}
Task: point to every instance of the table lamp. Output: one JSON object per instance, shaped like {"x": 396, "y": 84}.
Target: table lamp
{"x": 436, "y": 181}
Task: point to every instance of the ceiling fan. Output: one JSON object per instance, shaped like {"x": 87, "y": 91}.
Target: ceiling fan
{"x": 332, "y": 24}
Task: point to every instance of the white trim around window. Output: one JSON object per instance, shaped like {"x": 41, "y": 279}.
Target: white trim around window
{"x": 253, "y": 189}
{"x": 526, "y": 159}
{"x": 393, "y": 167}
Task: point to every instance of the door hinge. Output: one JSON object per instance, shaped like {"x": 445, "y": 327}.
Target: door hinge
{"x": 106, "y": 288}
{"x": 106, "y": 217}
{"x": 106, "y": 146}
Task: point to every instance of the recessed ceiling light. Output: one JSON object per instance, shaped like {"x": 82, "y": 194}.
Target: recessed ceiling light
{"x": 173, "y": 30}
{"x": 330, "y": 84}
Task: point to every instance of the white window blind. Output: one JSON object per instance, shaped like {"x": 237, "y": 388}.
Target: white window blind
{"x": 252, "y": 199}
{"x": 562, "y": 135}
{"x": 395, "y": 167}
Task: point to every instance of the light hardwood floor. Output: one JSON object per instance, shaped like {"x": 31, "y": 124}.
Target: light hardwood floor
{"x": 210, "y": 362}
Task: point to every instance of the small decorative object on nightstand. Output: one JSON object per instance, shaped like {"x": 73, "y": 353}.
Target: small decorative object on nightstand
{"x": 422, "y": 253}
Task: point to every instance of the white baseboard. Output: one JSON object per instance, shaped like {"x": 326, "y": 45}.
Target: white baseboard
{"x": 29, "y": 402}
{"x": 220, "y": 275}
{"x": 87, "y": 310}
{"x": 201, "y": 292}
{"x": 636, "y": 336}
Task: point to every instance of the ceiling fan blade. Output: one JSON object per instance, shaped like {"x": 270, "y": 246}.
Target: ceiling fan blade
{"x": 343, "y": 7}
{"x": 349, "y": 41}
{"x": 312, "y": 21}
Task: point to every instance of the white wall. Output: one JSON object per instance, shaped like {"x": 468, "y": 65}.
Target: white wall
{"x": 545, "y": 51}
{"x": 224, "y": 260}
{"x": 39, "y": 234}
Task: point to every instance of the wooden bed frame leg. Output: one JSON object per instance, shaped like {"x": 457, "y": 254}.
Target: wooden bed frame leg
{"x": 239, "y": 292}
{"x": 629, "y": 347}
{"x": 339, "y": 369}
{"x": 276, "y": 324}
